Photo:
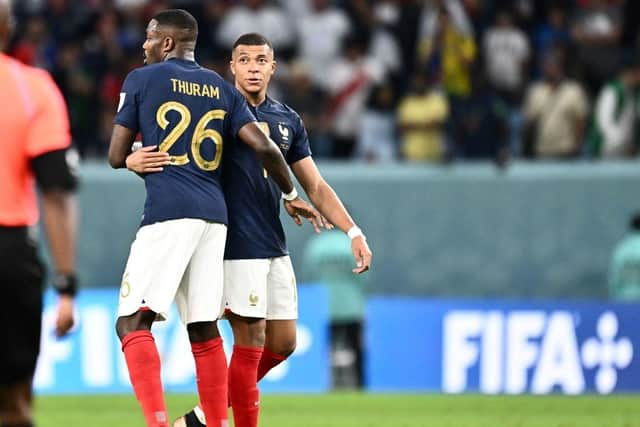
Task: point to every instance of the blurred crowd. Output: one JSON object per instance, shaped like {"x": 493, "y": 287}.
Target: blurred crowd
{"x": 380, "y": 80}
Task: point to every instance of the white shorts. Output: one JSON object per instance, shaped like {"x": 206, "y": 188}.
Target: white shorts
{"x": 178, "y": 259}
{"x": 261, "y": 288}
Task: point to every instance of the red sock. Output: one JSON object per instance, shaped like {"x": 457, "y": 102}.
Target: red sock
{"x": 268, "y": 361}
{"x": 143, "y": 363}
{"x": 243, "y": 386}
{"x": 211, "y": 374}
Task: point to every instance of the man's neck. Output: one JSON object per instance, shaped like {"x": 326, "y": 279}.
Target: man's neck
{"x": 254, "y": 99}
{"x": 187, "y": 55}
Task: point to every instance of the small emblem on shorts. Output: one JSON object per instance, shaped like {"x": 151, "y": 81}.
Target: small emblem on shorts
{"x": 253, "y": 299}
{"x": 125, "y": 287}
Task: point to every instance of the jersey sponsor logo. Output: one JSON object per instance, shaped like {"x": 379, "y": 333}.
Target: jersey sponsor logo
{"x": 530, "y": 351}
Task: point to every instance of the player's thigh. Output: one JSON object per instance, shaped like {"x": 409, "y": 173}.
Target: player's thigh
{"x": 282, "y": 294}
{"x": 157, "y": 262}
{"x": 245, "y": 287}
{"x": 21, "y": 281}
{"x": 199, "y": 298}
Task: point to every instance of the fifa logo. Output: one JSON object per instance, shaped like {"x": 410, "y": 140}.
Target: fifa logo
{"x": 532, "y": 351}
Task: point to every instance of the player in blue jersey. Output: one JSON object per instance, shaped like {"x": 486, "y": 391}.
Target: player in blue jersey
{"x": 192, "y": 115}
{"x": 259, "y": 283}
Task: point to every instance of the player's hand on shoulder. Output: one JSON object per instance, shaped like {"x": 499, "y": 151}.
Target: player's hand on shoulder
{"x": 147, "y": 160}
{"x": 361, "y": 253}
{"x": 298, "y": 208}
{"x": 65, "y": 315}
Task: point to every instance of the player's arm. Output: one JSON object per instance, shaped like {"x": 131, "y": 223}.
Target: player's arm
{"x": 269, "y": 155}
{"x": 328, "y": 203}
{"x": 120, "y": 146}
{"x": 147, "y": 160}
{"x": 272, "y": 160}
{"x": 52, "y": 163}
{"x": 59, "y": 214}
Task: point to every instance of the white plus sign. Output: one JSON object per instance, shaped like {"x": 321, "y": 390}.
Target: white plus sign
{"x": 607, "y": 353}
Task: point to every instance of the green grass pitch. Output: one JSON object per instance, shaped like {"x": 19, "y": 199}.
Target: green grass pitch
{"x": 367, "y": 410}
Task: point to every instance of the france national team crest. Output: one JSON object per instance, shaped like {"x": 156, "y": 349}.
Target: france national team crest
{"x": 284, "y": 135}
{"x": 505, "y": 347}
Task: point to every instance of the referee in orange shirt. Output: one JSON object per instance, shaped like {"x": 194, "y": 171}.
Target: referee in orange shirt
{"x": 34, "y": 139}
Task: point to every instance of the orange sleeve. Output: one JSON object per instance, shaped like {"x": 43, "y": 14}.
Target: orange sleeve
{"x": 49, "y": 126}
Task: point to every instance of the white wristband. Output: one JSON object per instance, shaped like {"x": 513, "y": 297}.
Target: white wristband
{"x": 355, "y": 232}
{"x": 290, "y": 196}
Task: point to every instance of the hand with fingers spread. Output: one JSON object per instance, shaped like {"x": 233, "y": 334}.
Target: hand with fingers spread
{"x": 147, "y": 160}
{"x": 298, "y": 207}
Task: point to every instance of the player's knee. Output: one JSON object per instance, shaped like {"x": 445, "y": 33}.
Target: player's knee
{"x": 136, "y": 322}
{"x": 202, "y": 331}
{"x": 257, "y": 335}
{"x": 285, "y": 346}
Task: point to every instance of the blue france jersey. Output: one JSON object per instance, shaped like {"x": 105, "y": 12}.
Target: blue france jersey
{"x": 193, "y": 114}
{"x": 253, "y": 198}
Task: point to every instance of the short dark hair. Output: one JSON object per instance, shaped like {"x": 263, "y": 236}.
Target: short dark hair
{"x": 252, "y": 39}
{"x": 181, "y": 20}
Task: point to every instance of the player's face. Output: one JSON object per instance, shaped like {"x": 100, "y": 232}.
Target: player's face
{"x": 252, "y": 67}
{"x": 152, "y": 45}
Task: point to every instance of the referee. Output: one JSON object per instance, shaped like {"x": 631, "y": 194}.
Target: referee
{"x": 34, "y": 139}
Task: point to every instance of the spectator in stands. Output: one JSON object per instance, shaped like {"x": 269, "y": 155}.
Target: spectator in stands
{"x": 321, "y": 34}
{"x": 506, "y": 57}
{"x": 309, "y": 100}
{"x": 450, "y": 53}
{"x": 624, "y": 269}
{"x": 78, "y": 84}
{"x": 209, "y": 49}
{"x": 349, "y": 83}
{"x": 550, "y": 35}
{"x": 258, "y": 16}
{"x": 596, "y": 33}
{"x": 483, "y": 131}
{"x": 33, "y": 47}
{"x": 422, "y": 115}
{"x": 555, "y": 112}
{"x": 377, "y": 131}
{"x": 615, "y": 120}
{"x": 430, "y": 20}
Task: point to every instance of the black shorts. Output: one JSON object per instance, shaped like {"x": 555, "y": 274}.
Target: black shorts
{"x": 21, "y": 282}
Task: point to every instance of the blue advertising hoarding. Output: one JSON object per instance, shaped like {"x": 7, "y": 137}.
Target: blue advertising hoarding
{"x": 502, "y": 346}
{"x": 90, "y": 360}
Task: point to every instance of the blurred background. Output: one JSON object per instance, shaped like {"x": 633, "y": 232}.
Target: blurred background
{"x": 488, "y": 149}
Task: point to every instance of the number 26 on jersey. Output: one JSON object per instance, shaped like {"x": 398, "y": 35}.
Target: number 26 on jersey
{"x": 200, "y": 134}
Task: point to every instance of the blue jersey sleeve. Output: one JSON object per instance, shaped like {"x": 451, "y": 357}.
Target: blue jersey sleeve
{"x": 240, "y": 112}
{"x": 128, "y": 105}
{"x": 300, "y": 147}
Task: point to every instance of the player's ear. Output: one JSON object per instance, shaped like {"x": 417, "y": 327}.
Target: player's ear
{"x": 168, "y": 44}
{"x": 273, "y": 66}
{"x": 232, "y": 67}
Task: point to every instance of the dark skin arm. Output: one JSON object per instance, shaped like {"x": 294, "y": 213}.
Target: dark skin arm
{"x": 272, "y": 160}
{"x": 59, "y": 215}
{"x": 268, "y": 153}
{"x": 120, "y": 146}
